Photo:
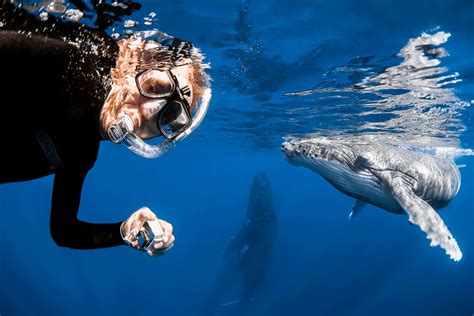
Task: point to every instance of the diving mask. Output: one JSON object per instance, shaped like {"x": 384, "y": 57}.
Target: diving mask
{"x": 175, "y": 115}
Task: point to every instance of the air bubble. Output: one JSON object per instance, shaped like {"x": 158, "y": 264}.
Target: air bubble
{"x": 56, "y": 7}
{"x": 130, "y": 23}
{"x": 73, "y": 15}
{"x": 44, "y": 16}
{"x": 119, "y": 4}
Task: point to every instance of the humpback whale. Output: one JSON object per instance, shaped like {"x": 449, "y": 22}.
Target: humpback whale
{"x": 255, "y": 240}
{"x": 394, "y": 179}
{"x": 247, "y": 255}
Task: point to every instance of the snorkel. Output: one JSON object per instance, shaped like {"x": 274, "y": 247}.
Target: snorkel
{"x": 170, "y": 53}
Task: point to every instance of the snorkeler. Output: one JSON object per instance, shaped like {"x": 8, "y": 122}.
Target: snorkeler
{"x": 69, "y": 88}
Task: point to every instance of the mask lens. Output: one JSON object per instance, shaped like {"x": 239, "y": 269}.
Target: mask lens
{"x": 155, "y": 84}
{"x": 173, "y": 119}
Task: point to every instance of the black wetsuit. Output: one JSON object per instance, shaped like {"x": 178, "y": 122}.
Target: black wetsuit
{"x": 52, "y": 92}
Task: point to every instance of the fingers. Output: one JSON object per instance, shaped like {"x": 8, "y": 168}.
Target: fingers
{"x": 145, "y": 214}
{"x": 135, "y": 222}
{"x": 133, "y": 237}
{"x": 135, "y": 225}
{"x": 165, "y": 244}
{"x": 159, "y": 251}
{"x": 167, "y": 230}
{"x": 168, "y": 240}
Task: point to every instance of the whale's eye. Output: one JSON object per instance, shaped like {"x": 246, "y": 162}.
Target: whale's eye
{"x": 364, "y": 160}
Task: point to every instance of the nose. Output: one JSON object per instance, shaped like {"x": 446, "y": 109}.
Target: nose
{"x": 151, "y": 108}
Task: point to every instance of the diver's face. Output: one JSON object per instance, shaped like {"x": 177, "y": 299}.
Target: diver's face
{"x": 144, "y": 111}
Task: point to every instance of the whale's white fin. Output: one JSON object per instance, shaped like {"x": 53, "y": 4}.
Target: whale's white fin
{"x": 356, "y": 208}
{"x": 236, "y": 244}
{"x": 230, "y": 303}
{"x": 423, "y": 215}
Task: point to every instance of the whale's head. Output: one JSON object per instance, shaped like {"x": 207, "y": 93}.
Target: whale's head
{"x": 260, "y": 207}
{"x": 317, "y": 153}
{"x": 333, "y": 159}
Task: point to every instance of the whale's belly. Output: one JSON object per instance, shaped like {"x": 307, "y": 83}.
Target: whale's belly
{"x": 369, "y": 190}
{"x": 361, "y": 186}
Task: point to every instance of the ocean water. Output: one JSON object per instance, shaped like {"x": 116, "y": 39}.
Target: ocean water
{"x": 392, "y": 71}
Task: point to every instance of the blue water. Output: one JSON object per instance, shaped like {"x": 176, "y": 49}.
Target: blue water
{"x": 322, "y": 264}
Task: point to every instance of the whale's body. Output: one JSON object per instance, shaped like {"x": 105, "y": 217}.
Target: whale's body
{"x": 247, "y": 256}
{"x": 254, "y": 243}
{"x": 391, "y": 178}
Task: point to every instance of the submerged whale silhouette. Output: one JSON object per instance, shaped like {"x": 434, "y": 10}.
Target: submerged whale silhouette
{"x": 246, "y": 257}
{"x": 391, "y": 178}
{"x": 254, "y": 242}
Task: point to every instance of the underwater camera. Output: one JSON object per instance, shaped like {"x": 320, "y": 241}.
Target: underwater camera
{"x": 151, "y": 234}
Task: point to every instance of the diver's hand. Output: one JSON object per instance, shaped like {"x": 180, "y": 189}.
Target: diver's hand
{"x": 131, "y": 228}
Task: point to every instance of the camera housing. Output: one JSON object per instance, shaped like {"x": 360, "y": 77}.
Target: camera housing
{"x": 151, "y": 234}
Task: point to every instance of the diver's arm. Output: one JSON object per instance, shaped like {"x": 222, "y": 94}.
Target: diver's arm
{"x": 66, "y": 229}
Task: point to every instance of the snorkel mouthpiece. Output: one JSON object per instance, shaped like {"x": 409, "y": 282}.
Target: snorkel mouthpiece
{"x": 118, "y": 131}
{"x": 122, "y": 133}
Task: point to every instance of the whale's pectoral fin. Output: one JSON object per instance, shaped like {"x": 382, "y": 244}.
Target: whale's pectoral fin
{"x": 423, "y": 215}
{"x": 236, "y": 244}
{"x": 356, "y": 208}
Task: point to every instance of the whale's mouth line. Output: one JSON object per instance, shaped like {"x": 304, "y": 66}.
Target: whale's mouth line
{"x": 332, "y": 156}
{"x": 392, "y": 170}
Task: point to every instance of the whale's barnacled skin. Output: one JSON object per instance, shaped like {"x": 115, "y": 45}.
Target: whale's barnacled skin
{"x": 394, "y": 179}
